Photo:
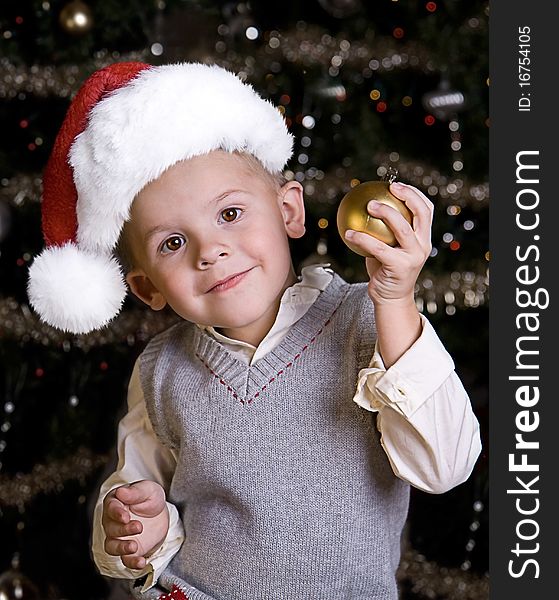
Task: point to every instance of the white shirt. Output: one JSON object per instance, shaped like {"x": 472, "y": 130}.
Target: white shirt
{"x": 428, "y": 429}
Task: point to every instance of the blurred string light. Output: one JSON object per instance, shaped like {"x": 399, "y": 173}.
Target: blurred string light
{"x": 448, "y": 292}
{"x": 309, "y": 46}
{"x": 14, "y": 385}
{"x": 156, "y": 49}
{"x": 76, "y": 18}
{"x": 451, "y": 190}
{"x": 330, "y": 88}
{"x": 252, "y": 33}
{"x": 312, "y": 46}
{"x": 428, "y": 579}
{"x": 457, "y": 191}
{"x": 445, "y": 104}
{"x": 14, "y": 585}
{"x": 478, "y": 507}
{"x": 60, "y": 81}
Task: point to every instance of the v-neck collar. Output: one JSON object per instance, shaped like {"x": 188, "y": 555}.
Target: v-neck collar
{"x": 247, "y": 381}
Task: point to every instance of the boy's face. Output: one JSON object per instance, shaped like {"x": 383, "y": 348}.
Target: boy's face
{"x": 210, "y": 238}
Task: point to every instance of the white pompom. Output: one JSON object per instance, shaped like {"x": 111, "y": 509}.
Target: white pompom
{"x": 74, "y": 290}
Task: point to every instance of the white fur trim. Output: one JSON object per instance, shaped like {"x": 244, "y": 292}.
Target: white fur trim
{"x": 75, "y": 291}
{"x": 164, "y": 115}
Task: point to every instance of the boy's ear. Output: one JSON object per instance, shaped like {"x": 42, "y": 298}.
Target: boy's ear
{"x": 142, "y": 287}
{"x": 293, "y": 208}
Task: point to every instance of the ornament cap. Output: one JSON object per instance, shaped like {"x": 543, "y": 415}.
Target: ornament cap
{"x": 391, "y": 175}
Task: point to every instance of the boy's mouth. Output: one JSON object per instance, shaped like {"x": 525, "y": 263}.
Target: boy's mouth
{"x": 228, "y": 282}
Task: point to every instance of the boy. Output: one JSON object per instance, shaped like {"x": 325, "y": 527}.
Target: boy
{"x": 245, "y": 471}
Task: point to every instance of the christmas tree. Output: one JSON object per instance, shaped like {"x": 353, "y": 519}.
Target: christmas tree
{"x": 364, "y": 87}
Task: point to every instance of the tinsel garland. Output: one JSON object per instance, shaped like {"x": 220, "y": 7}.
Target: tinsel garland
{"x": 134, "y": 325}
{"x": 58, "y": 81}
{"x": 311, "y": 46}
{"x": 327, "y": 187}
{"x": 21, "y": 489}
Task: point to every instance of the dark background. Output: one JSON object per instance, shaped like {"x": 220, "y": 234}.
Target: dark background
{"x": 388, "y": 83}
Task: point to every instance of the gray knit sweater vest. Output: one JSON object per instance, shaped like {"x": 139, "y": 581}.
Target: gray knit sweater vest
{"x": 283, "y": 487}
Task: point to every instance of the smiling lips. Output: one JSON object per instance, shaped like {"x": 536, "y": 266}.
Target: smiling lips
{"x": 228, "y": 282}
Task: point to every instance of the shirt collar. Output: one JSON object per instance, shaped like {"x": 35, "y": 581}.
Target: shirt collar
{"x": 313, "y": 280}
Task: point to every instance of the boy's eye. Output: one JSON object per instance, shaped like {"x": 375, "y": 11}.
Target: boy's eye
{"x": 172, "y": 244}
{"x": 230, "y": 214}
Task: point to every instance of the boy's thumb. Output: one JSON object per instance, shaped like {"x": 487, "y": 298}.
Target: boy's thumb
{"x": 130, "y": 493}
{"x": 140, "y": 491}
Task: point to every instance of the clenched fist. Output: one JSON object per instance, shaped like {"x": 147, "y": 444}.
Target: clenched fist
{"x": 136, "y": 521}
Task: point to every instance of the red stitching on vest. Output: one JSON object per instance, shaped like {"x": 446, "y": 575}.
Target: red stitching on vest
{"x": 272, "y": 379}
{"x": 175, "y": 594}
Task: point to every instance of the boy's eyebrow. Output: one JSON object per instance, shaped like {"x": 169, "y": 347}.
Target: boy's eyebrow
{"x": 157, "y": 229}
{"x": 223, "y": 195}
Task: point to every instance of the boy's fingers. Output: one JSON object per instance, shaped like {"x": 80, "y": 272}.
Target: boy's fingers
{"x": 395, "y": 221}
{"x": 138, "y": 492}
{"x": 134, "y": 562}
{"x": 388, "y": 213}
{"x": 114, "y": 509}
{"x": 114, "y": 529}
{"x": 116, "y": 547}
{"x": 370, "y": 245}
{"x": 131, "y": 494}
{"x": 422, "y": 214}
{"x": 399, "y": 189}
{"x": 145, "y": 498}
{"x": 420, "y": 206}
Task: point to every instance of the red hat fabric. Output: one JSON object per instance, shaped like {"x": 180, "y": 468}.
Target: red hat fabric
{"x": 59, "y": 218}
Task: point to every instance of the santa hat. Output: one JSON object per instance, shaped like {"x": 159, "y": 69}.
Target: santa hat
{"x": 127, "y": 124}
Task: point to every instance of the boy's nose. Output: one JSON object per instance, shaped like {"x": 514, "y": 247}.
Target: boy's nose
{"x": 209, "y": 254}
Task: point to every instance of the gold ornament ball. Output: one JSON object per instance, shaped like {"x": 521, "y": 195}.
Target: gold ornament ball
{"x": 353, "y": 214}
{"x": 76, "y": 18}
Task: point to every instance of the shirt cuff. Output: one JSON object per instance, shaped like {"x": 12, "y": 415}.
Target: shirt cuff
{"x": 112, "y": 566}
{"x": 159, "y": 560}
{"x": 411, "y": 380}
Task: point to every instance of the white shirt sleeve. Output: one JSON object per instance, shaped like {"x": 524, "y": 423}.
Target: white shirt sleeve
{"x": 427, "y": 425}
{"x": 140, "y": 456}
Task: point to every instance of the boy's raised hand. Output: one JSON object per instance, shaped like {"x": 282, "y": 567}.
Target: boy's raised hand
{"x": 136, "y": 521}
{"x": 393, "y": 271}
